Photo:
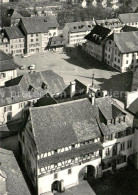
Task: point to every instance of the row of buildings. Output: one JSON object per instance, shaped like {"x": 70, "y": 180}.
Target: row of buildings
{"x": 69, "y": 132}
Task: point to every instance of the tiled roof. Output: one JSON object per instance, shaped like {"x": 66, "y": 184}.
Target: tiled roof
{"x": 128, "y": 17}
{"x": 63, "y": 124}
{"x": 59, "y": 157}
{"x": 16, "y": 15}
{"x": 15, "y": 183}
{"x": 4, "y": 56}
{"x": 98, "y": 34}
{"x": 6, "y": 62}
{"x": 133, "y": 108}
{"x": 45, "y": 101}
{"x": 56, "y": 41}
{"x": 21, "y": 84}
{"x": 39, "y": 24}
{"x": 80, "y": 26}
{"x": 110, "y": 109}
{"x": 129, "y": 28}
{"x": 126, "y": 41}
{"x": 13, "y": 32}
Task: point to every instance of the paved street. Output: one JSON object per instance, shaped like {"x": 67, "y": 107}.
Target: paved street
{"x": 76, "y": 64}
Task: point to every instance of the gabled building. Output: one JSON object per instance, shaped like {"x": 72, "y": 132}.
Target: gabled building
{"x": 117, "y": 134}
{"x": 4, "y": 44}
{"x": 75, "y": 32}
{"x": 11, "y": 178}
{"x": 15, "y": 18}
{"x": 129, "y": 19}
{"x": 58, "y": 142}
{"x": 24, "y": 91}
{"x": 96, "y": 40}
{"x": 38, "y": 30}
{"x": 8, "y": 68}
{"x": 121, "y": 51}
{"x": 56, "y": 44}
{"x": 113, "y": 24}
{"x": 16, "y": 40}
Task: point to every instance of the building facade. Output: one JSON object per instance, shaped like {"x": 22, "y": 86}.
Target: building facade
{"x": 95, "y": 42}
{"x": 120, "y": 54}
{"x": 38, "y": 30}
{"x": 58, "y": 164}
{"x": 75, "y": 32}
{"x": 16, "y": 40}
{"x": 22, "y": 92}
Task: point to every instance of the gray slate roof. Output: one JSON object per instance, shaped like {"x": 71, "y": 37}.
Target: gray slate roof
{"x": 105, "y": 105}
{"x": 39, "y": 24}
{"x": 20, "y": 85}
{"x": 15, "y": 181}
{"x": 63, "y": 124}
{"x": 13, "y": 32}
{"x": 80, "y": 26}
{"x": 128, "y": 17}
{"x": 126, "y": 42}
{"x": 98, "y": 34}
{"x": 6, "y": 62}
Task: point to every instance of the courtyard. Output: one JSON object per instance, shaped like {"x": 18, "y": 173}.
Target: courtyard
{"x": 77, "y": 64}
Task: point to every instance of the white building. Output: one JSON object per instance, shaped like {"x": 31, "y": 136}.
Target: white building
{"x": 117, "y": 134}
{"x": 55, "y": 152}
{"x": 129, "y": 19}
{"x": 121, "y": 51}
{"x": 113, "y": 24}
{"x": 38, "y": 30}
{"x": 95, "y": 41}
{"x": 16, "y": 40}
{"x": 8, "y": 68}
{"x": 75, "y": 32}
{"x": 23, "y": 91}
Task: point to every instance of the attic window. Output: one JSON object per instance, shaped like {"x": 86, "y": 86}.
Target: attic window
{"x": 44, "y": 86}
{"x": 89, "y": 26}
{"x": 75, "y": 27}
{"x": 31, "y": 88}
{"x": 45, "y": 20}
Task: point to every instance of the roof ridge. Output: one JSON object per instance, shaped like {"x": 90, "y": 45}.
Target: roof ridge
{"x": 54, "y": 105}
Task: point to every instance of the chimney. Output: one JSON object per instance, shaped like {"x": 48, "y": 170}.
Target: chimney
{"x": 72, "y": 88}
{"x": 105, "y": 93}
{"x": 92, "y": 99}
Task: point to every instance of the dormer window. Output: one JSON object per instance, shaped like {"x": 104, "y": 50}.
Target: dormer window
{"x": 44, "y": 86}
{"x": 31, "y": 88}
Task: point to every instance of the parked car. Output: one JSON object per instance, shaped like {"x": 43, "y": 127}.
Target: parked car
{"x": 31, "y": 67}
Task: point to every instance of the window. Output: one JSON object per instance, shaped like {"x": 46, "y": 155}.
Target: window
{"x": 118, "y": 60}
{"x": 36, "y": 39}
{"x": 107, "y": 152}
{"x": 108, "y": 56}
{"x": 132, "y": 61}
{"x": 11, "y": 46}
{"x": 55, "y": 176}
{"x": 31, "y": 40}
{"x": 110, "y": 42}
{"x": 129, "y": 144}
{"x": 69, "y": 171}
{"x": 2, "y": 75}
{"x": 122, "y": 146}
{"x": 126, "y": 61}
{"x": 36, "y": 35}
{"x": 127, "y": 55}
{"x": 5, "y": 109}
{"x": 115, "y": 59}
{"x": 31, "y": 35}
{"x": 19, "y": 40}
